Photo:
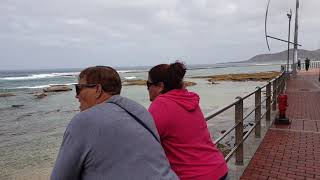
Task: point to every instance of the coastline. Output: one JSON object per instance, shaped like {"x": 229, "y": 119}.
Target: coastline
{"x": 32, "y": 133}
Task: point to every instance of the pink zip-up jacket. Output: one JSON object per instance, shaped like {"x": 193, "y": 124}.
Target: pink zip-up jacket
{"x": 185, "y": 136}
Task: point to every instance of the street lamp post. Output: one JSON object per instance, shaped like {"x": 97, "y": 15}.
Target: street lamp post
{"x": 295, "y": 54}
{"x": 289, "y": 16}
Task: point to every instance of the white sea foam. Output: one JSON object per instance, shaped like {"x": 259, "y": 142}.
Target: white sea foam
{"x": 31, "y": 87}
{"x": 130, "y": 77}
{"x": 125, "y": 71}
{"x": 130, "y": 71}
{"x": 42, "y": 86}
{"x": 262, "y": 64}
{"x": 39, "y": 76}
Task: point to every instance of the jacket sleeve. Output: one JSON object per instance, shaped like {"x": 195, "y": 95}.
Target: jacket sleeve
{"x": 69, "y": 161}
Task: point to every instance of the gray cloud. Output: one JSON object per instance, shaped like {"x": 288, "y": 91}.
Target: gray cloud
{"x": 78, "y": 33}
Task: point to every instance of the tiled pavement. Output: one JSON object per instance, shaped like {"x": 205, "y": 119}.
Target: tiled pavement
{"x": 292, "y": 151}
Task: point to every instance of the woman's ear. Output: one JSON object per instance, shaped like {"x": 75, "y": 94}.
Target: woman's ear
{"x": 160, "y": 87}
{"x": 98, "y": 91}
{"x": 161, "y": 84}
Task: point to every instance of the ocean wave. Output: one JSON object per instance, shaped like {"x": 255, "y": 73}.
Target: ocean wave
{"x": 262, "y": 64}
{"x": 53, "y": 75}
{"x": 42, "y": 86}
{"x": 40, "y": 76}
{"x": 130, "y": 77}
{"x": 131, "y": 71}
{"x": 125, "y": 71}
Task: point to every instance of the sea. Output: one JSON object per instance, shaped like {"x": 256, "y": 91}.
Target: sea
{"x": 31, "y": 129}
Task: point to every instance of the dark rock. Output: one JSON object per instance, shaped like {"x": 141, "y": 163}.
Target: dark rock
{"x": 17, "y": 105}
{"x": 6, "y": 94}
{"x": 137, "y": 82}
{"x": 212, "y": 82}
{"x": 222, "y": 131}
{"x": 189, "y": 83}
{"x": 224, "y": 149}
{"x": 259, "y": 76}
{"x": 40, "y": 95}
{"x": 57, "y": 88}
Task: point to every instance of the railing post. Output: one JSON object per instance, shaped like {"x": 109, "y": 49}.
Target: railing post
{"x": 258, "y": 112}
{"x": 268, "y": 102}
{"x": 278, "y": 80}
{"x": 280, "y": 84}
{"x": 283, "y": 80}
{"x": 274, "y": 95}
{"x": 239, "y": 131}
{"x": 279, "y": 91}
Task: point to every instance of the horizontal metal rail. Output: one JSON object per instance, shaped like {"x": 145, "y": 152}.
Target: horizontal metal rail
{"x": 226, "y": 133}
{"x": 220, "y": 110}
{"x": 253, "y": 110}
{"x": 277, "y": 86}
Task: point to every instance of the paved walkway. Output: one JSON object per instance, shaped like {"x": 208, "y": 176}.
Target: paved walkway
{"x": 292, "y": 151}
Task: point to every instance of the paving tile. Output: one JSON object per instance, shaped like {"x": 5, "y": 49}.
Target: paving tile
{"x": 292, "y": 151}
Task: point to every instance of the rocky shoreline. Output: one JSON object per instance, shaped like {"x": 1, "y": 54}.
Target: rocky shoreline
{"x": 212, "y": 79}
{"x": 260, "y": 76}
{"x": 140, "y": 82}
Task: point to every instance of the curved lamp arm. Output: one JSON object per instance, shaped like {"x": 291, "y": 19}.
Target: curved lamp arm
{"x": 265, "y": 25}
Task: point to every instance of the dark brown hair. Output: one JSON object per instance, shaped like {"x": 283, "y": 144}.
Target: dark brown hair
{"x": 104, "y": 75}
{"x": 171, "y": 75}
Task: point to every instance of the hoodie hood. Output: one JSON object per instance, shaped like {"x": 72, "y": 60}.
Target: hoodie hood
{"x": 188, "y": 100}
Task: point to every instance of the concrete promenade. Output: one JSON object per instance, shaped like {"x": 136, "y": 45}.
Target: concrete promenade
{"x": 292, "y": 151}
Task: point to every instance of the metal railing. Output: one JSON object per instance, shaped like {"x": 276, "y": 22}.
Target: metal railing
{"x": 272, "y": 89}
{"x": 312, "y": 65}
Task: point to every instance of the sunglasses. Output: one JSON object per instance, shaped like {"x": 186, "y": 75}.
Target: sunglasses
{"x": 149, "y": 84}
{"x": 80, "y": 87}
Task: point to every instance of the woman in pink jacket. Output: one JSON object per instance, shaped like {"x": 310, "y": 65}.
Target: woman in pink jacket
{"x": 182, "y": 127}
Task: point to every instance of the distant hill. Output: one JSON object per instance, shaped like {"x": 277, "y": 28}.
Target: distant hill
{"x": 282, "y": 56}
{"x": 317, "y": 51}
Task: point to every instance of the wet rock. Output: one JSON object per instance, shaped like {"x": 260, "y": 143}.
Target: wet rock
{"x": 6, "y": 94}
{"x": 132, "y": 82}
{"x": 34, "y": 92}
{"x": 224, "y": 149}
{"x": 17, "y": 105}
{"x": 189, "y": 83}
{"x": 212, "y": 82}
{"x": 140, "y": 82}
{"x": 57, "y": 88}
{"x": 40, "y": 95}
{"x": 260, "y": 76}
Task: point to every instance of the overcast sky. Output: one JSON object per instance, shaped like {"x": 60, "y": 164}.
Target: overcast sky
{"x": 80, "y": 33}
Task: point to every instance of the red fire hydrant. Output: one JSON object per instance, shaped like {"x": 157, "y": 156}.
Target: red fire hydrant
{"x": 282, "y": 106}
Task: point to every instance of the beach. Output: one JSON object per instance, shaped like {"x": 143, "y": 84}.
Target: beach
{"x": 31, "y": 129}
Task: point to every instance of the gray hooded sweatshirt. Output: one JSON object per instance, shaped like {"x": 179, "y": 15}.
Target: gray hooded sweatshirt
{"x": 106, "y": 142}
